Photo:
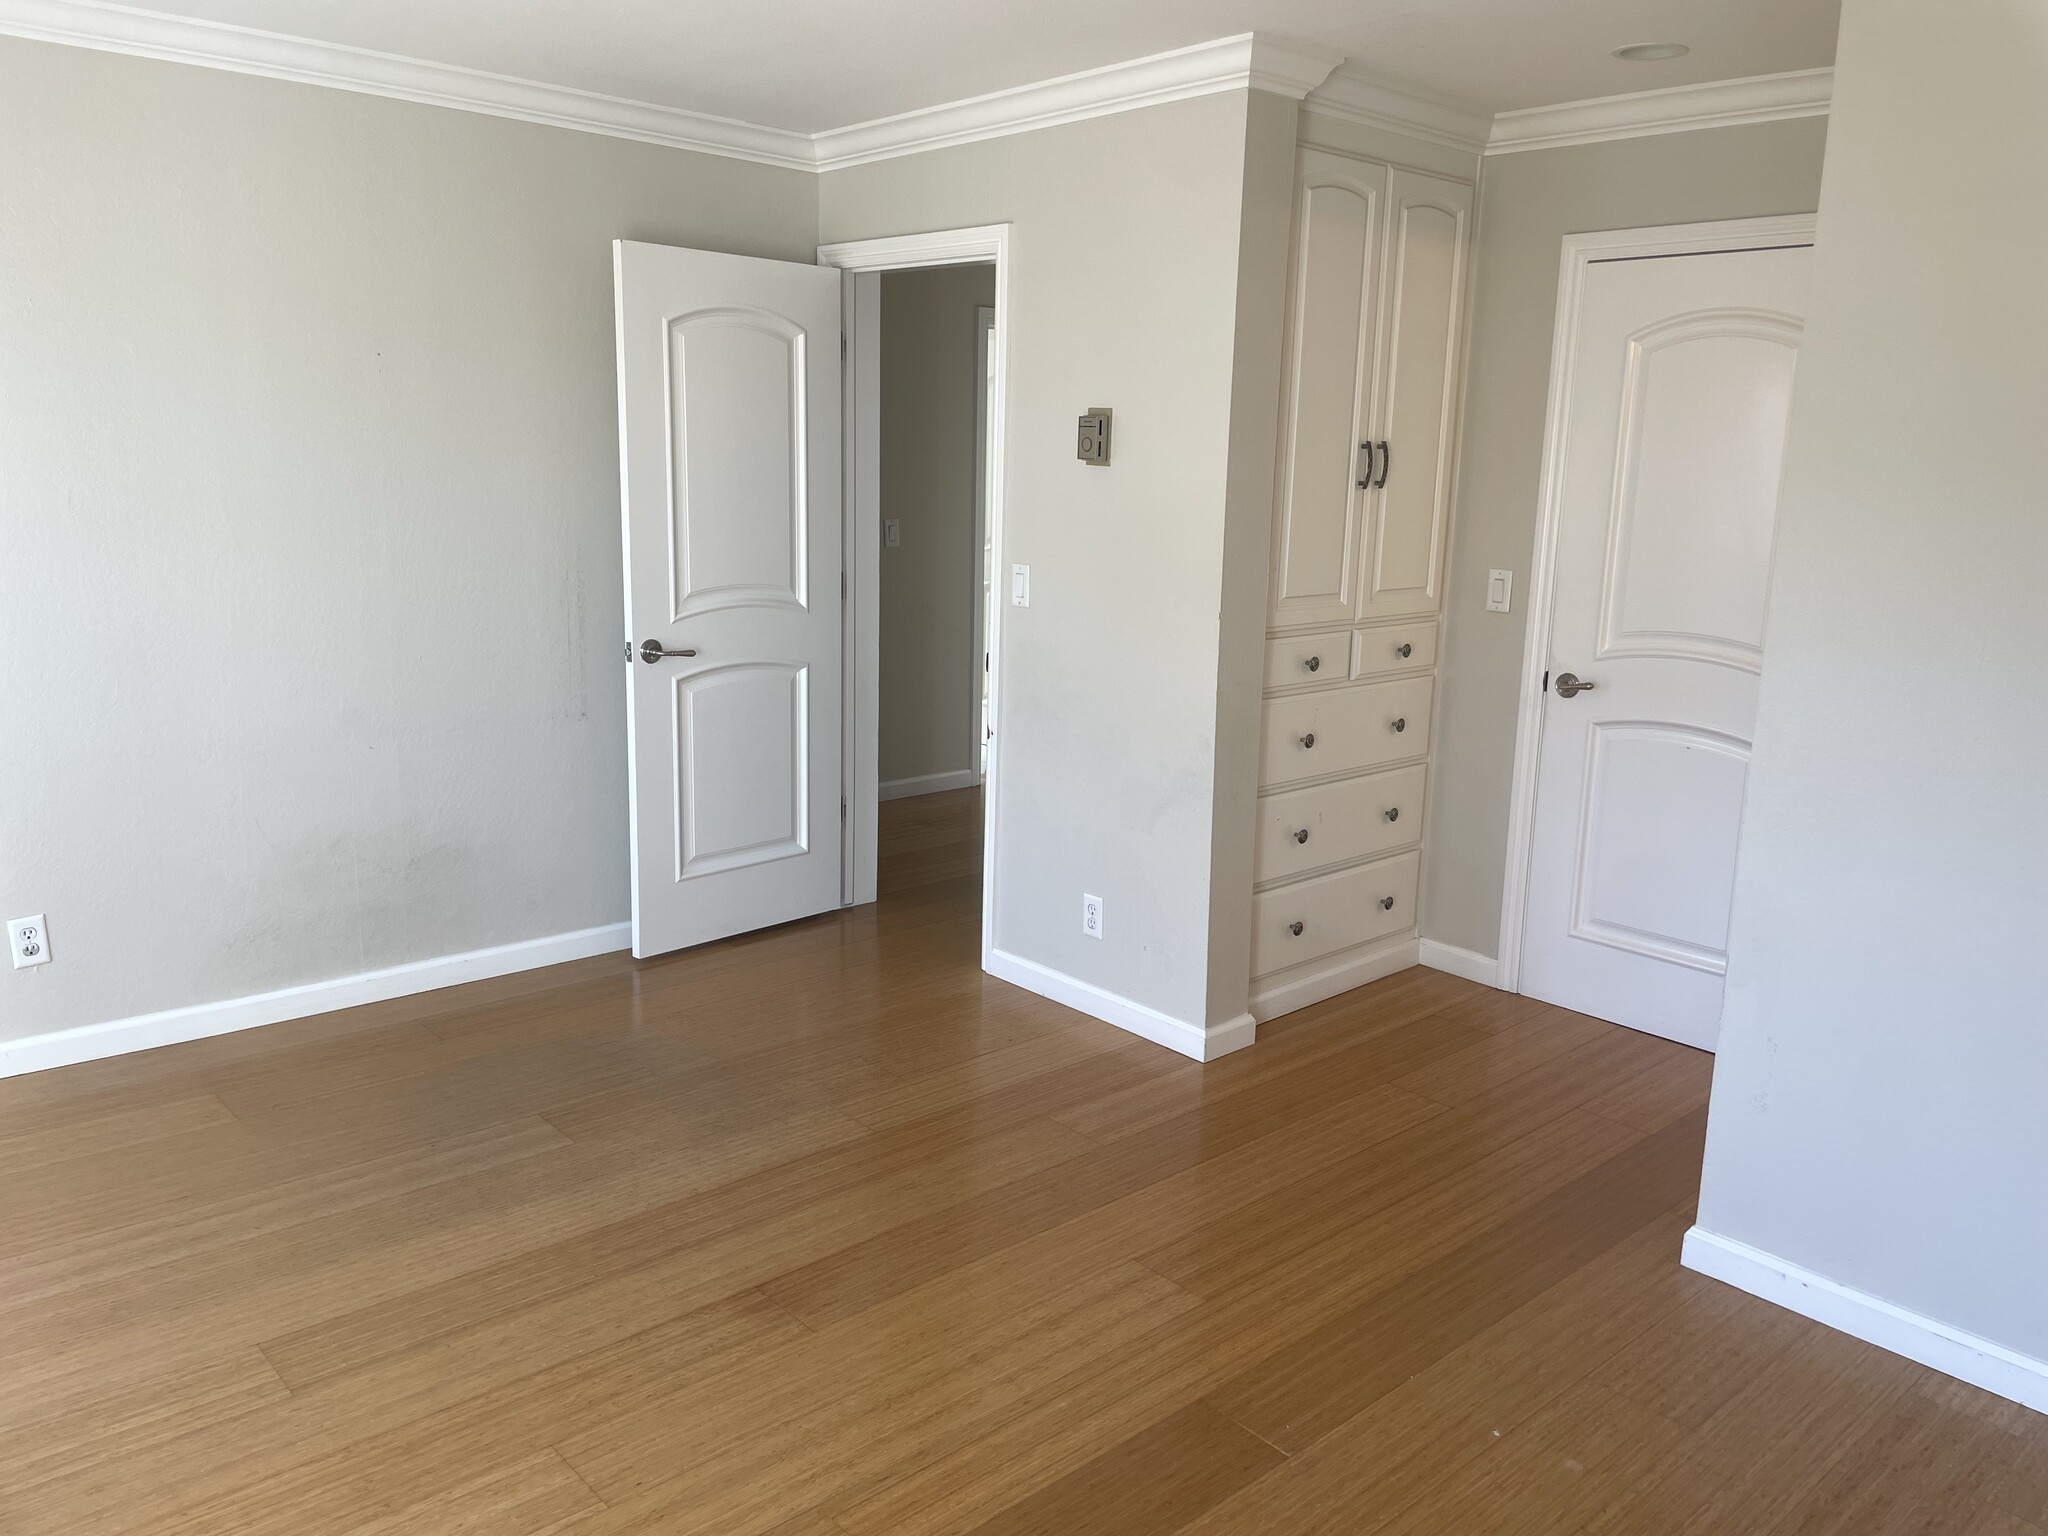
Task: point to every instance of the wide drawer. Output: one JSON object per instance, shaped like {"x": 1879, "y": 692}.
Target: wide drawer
{"x": 1324, "y": 658}
{"x": 1341, "y": 730}
{"x": 1306, "y": 829}
{"x": 1392, "y": 648}
{"x": 1332, "y": 912}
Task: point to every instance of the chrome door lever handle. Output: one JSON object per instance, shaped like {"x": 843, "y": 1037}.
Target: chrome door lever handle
{"x": 1569, "y": 686}
{"x": 652, "y": 651}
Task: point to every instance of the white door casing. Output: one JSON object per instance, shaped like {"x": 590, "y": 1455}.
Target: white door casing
{"x": 1665, "y": 489}
{"x": 729, "y": 443}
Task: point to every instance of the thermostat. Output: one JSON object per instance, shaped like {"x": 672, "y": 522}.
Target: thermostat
{"x": 1092, "y": 446}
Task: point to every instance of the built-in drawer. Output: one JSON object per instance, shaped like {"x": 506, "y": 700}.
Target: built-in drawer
{"x": 1341, "y": 730}
{"x": 1392, "y": 648}
{"x": 1301, "y": 830}
{"x": 1294, "y": 924}
{"x": 1322, "y": 658}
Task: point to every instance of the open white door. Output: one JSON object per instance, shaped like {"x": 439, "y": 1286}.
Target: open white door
{"x": 729, "y": 383}
{"x": 1667, "y": 511}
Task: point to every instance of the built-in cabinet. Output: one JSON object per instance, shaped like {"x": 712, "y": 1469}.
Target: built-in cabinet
{"x": 1360, "y": 526}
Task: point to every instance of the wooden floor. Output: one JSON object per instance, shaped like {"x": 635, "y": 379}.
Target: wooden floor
{"x": 823, "y": 1231}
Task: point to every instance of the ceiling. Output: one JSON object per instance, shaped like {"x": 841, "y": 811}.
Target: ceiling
{"x": 810, "y": 65}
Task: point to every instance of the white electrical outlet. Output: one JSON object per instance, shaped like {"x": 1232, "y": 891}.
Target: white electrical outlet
{"x": 28, "y": 940}
{"x": 1091, "y": 916}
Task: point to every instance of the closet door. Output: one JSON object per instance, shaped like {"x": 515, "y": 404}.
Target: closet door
{"x": 1408, "y": 510}
{"x": 1318, "y": 524}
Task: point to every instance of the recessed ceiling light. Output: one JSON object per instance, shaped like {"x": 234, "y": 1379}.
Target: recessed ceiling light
{"x": 1639, "y": 53}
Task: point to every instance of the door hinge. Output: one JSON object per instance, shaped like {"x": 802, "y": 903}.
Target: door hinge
{"x": 842, "y": 586}
{"x": 842, "y": 807}
{"x": 842, "y": 346}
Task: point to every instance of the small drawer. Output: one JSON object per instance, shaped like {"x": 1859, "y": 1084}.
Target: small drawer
{"x": 1305, "y": 829}
{"x": 1341, "y": 730}
{"x": 1309, "y": 659}
{"x": 1396, "y": 648}
{"x": 1332, "y": 912}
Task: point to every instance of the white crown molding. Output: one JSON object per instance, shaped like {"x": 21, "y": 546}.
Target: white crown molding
{"x": 1227, "y": 64}
{"x": 1721, "y": 104}
{"x": 1355, "y": 99}
{"x": 1258, "y": 61}
{"x": 244, "y": 50}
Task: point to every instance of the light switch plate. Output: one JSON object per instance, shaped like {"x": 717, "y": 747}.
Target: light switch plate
{"x": 892, "y": 532}
{"x": 1020, "y": 586}
{"x": 1500, "y": 591}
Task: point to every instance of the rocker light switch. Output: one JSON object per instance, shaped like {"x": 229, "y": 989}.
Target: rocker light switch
{"x": 1500, "y": 591}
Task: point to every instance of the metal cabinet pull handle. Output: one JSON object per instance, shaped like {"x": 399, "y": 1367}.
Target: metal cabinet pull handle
{"x": 1386, "y": 903}
{"x": 1314, "y": 663}
{"x": 1404, "y": 650}
{"x": 652, "y": 651}
{"x": 1295, "y": 928}
{"x": 1308, "y": 741}
{"x": 1393, "y": 813}
{"x": 1365, "y": 466}
{"x": 1301, "y": 836}
{"x": 1384, "y": 458}
{"x": 1569, "y": 686}
{"x": 1400, "y": 725}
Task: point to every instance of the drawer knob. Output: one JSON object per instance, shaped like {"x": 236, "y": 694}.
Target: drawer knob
{"x": 1404, "y": 650}
{"x": 1314, "y": 663}
{"x": 1393, "y": 813}
{"x": 1399, "y": 726}
{"x": 1295, "y": 927}
{"x": 1308, "y": 741}
{"x": 1386, "y": 903}
{"x": 1301, "y": 836}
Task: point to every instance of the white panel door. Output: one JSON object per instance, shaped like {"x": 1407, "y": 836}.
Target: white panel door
{"x": 1329, "y": 350}
{"x": 1682, "y": 379}
{"x": 729, "y": 382}
{"x": 1408, "y": 511}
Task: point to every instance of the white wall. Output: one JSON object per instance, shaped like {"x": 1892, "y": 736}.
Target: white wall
{"x": 930, "y": 684}
{"x": 1123, "y": 292}
{"x": 309, "y": 552}
{"x": 1878, "y": 1111}
{"x": 1528, "y": 203}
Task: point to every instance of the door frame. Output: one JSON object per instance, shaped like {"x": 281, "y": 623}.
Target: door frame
{"x": 985, "y": 586}
{"x": 1580, "y": 253}
{"x": 863, "y": 262}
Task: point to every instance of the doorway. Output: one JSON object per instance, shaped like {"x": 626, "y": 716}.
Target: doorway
{"x": 1670, "y": 387}
{"x": 932, "y": 718}
{"x": 968, "y": 682}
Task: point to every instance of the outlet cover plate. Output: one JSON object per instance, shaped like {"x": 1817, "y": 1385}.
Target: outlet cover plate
{"x": 28, "y": 941}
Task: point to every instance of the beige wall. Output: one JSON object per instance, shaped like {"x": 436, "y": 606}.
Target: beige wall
{"x": 310, "y": 592}
{"x": 1528, "y": 203}
{"x": 1123, "y": 292}
{"x": 930, "y": 685}
{"x": 1877, "y": 1114}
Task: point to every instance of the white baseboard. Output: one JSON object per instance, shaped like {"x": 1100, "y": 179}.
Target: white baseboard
{"x": 1175, "y": 1034}
{"x": 1454, "y": 961}
{"x": 1298, "y": 987}
{"x": 2011, "y": 1375}
{"x": 145, "y": 1032}
{"x": 927, "y": 784}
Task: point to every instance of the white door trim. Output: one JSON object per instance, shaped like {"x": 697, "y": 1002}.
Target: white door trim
{"x": 985, "y": 585}
{"x": 940, "y": 248}
{"x": 1581, "y": 252}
